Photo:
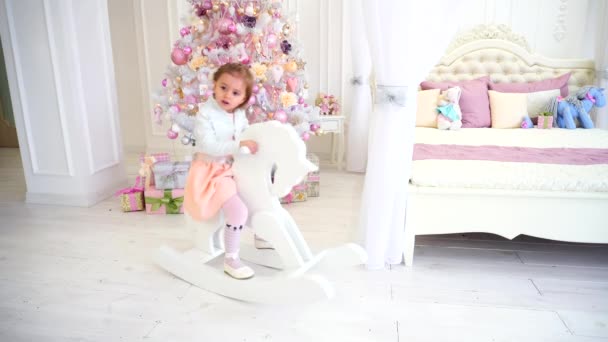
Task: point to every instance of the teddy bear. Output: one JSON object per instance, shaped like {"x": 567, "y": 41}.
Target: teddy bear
{"x": 449, "y": 115}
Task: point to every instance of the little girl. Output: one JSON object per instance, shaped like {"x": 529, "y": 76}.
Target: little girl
{"x": 210, "y": 186}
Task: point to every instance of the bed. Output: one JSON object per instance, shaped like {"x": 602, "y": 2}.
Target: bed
{"x": 552, "y": 200}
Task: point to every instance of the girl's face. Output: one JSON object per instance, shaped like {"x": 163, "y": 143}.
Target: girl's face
{"x": 229, "y": 92}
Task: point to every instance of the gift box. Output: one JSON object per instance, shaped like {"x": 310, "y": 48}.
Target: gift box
{"x": 313, "y": 179}
{"x": 297, "y": 194}
{"x": 545, "y": 121}
{"x": 147, "y": 161}
{"x": 313, "y": 185}
{"x": 170, "y": 175}
{"x": 167, "y": 201}
{"x": 132, "y": 198}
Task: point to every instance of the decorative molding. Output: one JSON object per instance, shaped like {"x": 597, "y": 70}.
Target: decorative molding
{"x": 58, "y": 86}
{"x": 33, "y": 154}
{"x": 500, "y": 32}
{"x": 80, "y": 86}
{"x": 109, "y": 83}
{"x": 559, "y": 32}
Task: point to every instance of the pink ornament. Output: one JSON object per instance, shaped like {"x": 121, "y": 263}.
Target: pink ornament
{"x": 190, "y": 99}
{"x": 251, "y": 100}
{"x": 175, "y": 108}
{"x": 172, "y": 134}
{"x": 292, "y": 84}
{"x": 255, "y": 89}
{"x": 246, "y": 60}
{"x": 184, "y": 31}
{"x": 281, "y": 116}
{"x": 314, "y": 127}
{"x": 305, "y": 136}
{"x": 271, "y": 40}
{"x": 179, "y": 57}
{"x": 301, "y": 100}
{"x": 207, "y": 5}
{"x": 187, "y": 50}
{"x": 164, "y": 82}
{"x": 226, "y": 26}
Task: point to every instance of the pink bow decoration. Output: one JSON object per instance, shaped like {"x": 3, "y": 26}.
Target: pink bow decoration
{"x": 288, "y": 198}
{"x": 132, "y": 189}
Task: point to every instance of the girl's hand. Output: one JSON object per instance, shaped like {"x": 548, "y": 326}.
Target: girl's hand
{"x": 250, "y": 144}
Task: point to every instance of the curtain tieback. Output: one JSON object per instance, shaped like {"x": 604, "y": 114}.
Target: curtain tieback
{"x": 386, "y": 94}
{"x": 358, "y": 81}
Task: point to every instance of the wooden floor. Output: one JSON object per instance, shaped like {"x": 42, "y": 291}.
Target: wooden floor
{"x": 86, "y": 274}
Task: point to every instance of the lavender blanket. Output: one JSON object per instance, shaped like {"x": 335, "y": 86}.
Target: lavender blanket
{"x": 566, "y": 156}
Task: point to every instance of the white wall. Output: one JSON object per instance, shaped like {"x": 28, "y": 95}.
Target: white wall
{"x": 61, "y": 77}
{"x": 553, "y": 28}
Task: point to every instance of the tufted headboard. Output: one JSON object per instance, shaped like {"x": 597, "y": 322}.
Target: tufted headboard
{"x": 496, "y": 51}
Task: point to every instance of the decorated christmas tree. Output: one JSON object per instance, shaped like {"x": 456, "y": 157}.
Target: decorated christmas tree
{"x": 255, "y": 33}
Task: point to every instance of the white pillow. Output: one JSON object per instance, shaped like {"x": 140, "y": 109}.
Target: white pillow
{"x": 507, "y": 109}
{"x": 426, "y": 111}
{"x": 537, "y": 101}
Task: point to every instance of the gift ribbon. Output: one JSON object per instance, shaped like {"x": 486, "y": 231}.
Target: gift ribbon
{"x": 547, "y": 121}
{"x": 172, "y": 205}
{"x": 145, "y": 170}
{"x": 290, "y": 196}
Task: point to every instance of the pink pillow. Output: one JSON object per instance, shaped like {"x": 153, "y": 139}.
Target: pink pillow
{"x": 474, "y": 102}
{"x": 560, "y": 82}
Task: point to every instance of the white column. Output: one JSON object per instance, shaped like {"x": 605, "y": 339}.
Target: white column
{"x": 61, "y": 78}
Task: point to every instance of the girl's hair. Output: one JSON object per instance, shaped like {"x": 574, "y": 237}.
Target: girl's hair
{"x": 239, "y": 71}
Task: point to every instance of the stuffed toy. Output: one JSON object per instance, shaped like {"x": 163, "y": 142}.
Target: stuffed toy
{"x": 527, "y": 122}
{"x": 449, "y": 114}
{"x": 576, "y": 107}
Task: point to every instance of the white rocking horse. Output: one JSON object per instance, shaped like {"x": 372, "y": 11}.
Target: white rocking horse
{"x": 297, "y": 272}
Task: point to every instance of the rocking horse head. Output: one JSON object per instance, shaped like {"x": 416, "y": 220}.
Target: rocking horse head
{"x": 279, "y": 148}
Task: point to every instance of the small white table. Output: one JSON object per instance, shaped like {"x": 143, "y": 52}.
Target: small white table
{"x": 335, "y": 124}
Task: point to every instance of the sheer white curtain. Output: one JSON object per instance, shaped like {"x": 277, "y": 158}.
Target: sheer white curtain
{"x": 358, "y": 124}
{"x": 405, "y": 39}
{"x": 599, "y": 10}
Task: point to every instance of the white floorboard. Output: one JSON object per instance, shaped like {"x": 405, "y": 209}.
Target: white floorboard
{"x": 87, "y": 274}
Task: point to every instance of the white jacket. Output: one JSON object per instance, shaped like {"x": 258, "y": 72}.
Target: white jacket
{"x": 214, "y": 130}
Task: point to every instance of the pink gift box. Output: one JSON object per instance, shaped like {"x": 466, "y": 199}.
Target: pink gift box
{"x": 545, "y": 122}
{"x": 163, "y": 156}
{"x": 168, "y": 201}
{"x": 132, "y": 198}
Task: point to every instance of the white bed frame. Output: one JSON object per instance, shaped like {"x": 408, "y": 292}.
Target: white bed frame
{"x": 555, "y": 215}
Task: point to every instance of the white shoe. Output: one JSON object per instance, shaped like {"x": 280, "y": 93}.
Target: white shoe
{"x": 242, "y": 272}
{"x": 260, "y": 243}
